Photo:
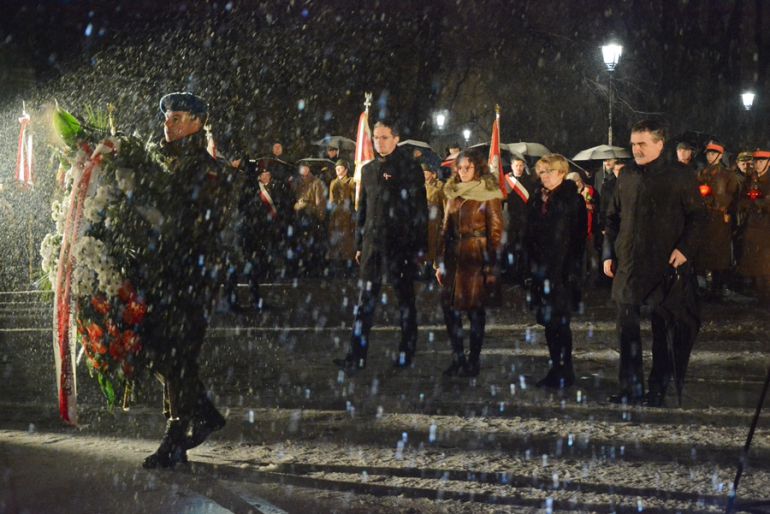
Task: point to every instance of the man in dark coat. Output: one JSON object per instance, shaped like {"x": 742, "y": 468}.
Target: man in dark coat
{"x": 518, "y": 198}
{"x": 653, "y": 223}
{"x": 391, "y": 237}
{"x": 193, "y": 194}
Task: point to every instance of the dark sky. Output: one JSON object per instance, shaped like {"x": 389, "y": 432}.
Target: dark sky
{"x": 684, "y": 61}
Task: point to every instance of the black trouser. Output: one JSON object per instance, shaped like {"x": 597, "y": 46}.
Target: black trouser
{"x": 172, "y": 353}
{"x": 401, "y": 278}
{"x": 454, "y": 327}
{"x": 558, "y": 336}
{"x": 631, "y": 373}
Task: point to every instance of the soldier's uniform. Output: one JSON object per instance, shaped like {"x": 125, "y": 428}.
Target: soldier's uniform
{"x": 194, "y": 200}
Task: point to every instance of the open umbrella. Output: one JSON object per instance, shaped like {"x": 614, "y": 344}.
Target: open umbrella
{"x": 429, "y": 156}
{"x": 528, "y": 149}
{"x": 341, "y": 142}
{"x": 280, "y": 169}
{"x": 602, "y": 152}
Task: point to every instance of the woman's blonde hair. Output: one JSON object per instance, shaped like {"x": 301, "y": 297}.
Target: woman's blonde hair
{"x": 555, "y": 161}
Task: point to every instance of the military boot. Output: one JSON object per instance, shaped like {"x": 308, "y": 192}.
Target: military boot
{"x": 171, "y": 450}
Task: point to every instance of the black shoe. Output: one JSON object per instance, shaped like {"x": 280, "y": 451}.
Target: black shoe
{"x": 403, "y": 361}
{"x": 654, "y": 399}
{"x": 454, "y": 369}
{"x": 551, "y": 380}
{"x": 349, "y": 364}
{"x": 624, "y": 399}
{"x": 471, "y": 369}
{"x": 171, "y": 451}
{"x": 202, "y": 427}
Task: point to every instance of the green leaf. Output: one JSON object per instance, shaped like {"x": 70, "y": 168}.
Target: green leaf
{"x": 67, "y": 126}
{"x": 107, "y": 389}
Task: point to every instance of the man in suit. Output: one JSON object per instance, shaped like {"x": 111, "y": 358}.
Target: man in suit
{"x": 391, "y": 237}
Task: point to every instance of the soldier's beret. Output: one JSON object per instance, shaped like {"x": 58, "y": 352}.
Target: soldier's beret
{"x": 185, "y": 102}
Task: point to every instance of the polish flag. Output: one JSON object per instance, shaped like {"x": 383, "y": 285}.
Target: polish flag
{"x": 364, "y": 150}
{"x": 24, "y": 154}
{"x": 495, "y": 162}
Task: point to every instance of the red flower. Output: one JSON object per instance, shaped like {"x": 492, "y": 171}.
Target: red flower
{"x": 131, "y": 341}
{"x": 112, "y": 329}
{"x": 134, "y": 312}
{"x": 127, "y": 293}
{"x": 95, "y": 335}
{"x": 100, "y": 304}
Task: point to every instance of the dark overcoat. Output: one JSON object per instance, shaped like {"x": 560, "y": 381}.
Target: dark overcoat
{"x": 392, "y": 214}
{"x": 755, "y": 259}
{"x": 720, "y": 194}
{"x": 655, "y": 209}
{"x": 555, "y": 242}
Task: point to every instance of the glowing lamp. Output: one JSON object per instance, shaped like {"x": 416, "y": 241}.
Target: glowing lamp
{"x": 705, "y": 190}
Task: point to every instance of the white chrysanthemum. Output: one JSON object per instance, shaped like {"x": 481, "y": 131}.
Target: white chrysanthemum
{"x": 83, "y": 281}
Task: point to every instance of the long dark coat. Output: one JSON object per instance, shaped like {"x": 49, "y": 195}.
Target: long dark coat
{"x": 655, "y": 209}
{"x": 392, "y": 213}
{"x": 471, "y": 240}
{"x": 555, "y": 241}
{"x": 755, "y": 260}
{"x": 720, "y": 202}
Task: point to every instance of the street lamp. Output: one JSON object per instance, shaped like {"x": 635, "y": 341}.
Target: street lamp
{"x": 748, "y": 100}
{"x": 611, "y": 53}
{"x": 440, "y": 119}
{"x": 467, "y": 135}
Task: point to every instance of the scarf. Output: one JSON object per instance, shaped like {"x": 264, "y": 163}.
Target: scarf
{"x": 474, "y": 190}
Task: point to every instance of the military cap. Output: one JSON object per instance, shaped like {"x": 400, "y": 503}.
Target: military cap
{"x": 333, "y": 146}
{"x": 745, "y": 156}
{"x": 761, "y": 154}
{"x": 185, "y": 102}
{"x": 342, "y": 162}
{"x": 684, "y": 145}
{"x": 715, "y": 147}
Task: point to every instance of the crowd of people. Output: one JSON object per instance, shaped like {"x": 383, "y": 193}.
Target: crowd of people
{"x": 638, "y": 226}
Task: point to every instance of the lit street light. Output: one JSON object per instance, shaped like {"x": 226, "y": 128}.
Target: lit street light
{"x": 440, "y": 119}
{"x": 467, "y": 135}
{"x": 748, "y": 100}
{"x": 611, "y": 54}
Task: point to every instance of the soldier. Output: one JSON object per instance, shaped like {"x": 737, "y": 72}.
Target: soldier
{"x": 310, "y": 212}
{"x": 342, "y": 224}
{"x": 719, "y": 189}
{"x": 434, "y": 189}
{"x": 193, "y": 195}
{"x": 755, "y": 260}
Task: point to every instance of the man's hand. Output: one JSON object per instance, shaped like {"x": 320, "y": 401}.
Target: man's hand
{"x": 609, "y": 268}
{"x": 677, "y": 258}
{"x": 358, "y": 257}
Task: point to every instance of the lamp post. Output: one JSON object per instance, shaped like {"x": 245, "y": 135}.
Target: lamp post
{"x": 611, "y": 55}
{"x": 467, "y": 135}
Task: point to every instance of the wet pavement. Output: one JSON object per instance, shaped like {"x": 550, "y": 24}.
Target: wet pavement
{"x": 303, "y": 437}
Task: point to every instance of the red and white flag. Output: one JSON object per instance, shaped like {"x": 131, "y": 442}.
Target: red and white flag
{"x": 364, "y": 149}
{"x": 495, "y": 162}
{"x": 24, "y": 154}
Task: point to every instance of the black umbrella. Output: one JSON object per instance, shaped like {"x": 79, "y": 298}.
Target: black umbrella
{"x": 429, "y": 156}
{"x": 681, "y": 310}
{"x": 281, "y": 170}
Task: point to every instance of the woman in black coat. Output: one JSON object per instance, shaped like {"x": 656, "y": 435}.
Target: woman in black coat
{"x": 555, "y": 242}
